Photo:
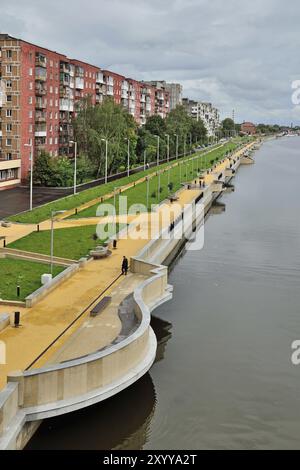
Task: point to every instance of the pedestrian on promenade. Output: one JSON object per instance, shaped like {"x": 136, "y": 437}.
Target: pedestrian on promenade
{"x": 125, "y": 266}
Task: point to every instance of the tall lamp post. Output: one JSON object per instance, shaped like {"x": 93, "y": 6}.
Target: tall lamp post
{"x": 73, "y": 142}
{"x": 106, "y": 158}
{"x": 31, "y": 174}
{"x": 168, "y": 155}
{"x": 128, "y": 155}
{"x": 176, "y": 135}
{"x": 53, "y": 214}
{"x": 158, "y": 139}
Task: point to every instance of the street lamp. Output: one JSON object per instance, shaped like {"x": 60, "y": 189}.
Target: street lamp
{"x": 168, "y": 156}
{"x": 176, "y": 135}
{"x": 53, "y": 214}
{"x": 191, "y": 141}
{"x": 106, "y": 158}
{"x": 128, "y": 156}
{"x": 31, "y": 173}
{"x": 157, "y": 149}
{"x": 145, "y": 159}
{"x": 72, "y": 142}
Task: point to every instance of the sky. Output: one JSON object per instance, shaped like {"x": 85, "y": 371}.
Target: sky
{"x": 238, "y": 55}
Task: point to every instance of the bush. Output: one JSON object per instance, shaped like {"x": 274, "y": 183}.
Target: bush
{"x": 153, "y": 195}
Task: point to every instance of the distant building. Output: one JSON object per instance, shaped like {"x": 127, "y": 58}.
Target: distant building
{"x": 204, "y": 111}
{"x": 174, "y": 90}
{"x": 248, "y": 128}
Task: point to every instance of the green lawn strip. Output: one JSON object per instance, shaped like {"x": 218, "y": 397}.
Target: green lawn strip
{"x": 71, "y": 243}
{"x": 26, "y": 274}
{"x": 138, "y": 194}
{"x": 41, "y": 213}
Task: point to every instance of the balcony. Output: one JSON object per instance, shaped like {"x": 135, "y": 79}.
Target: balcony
{"x": 40, "y": 74}
{"x": 40, "y": 104}
{"x": 40, "y": 91}
{"x": 99, "y": 78}
{"x": 40, "y": 132}
{"x": 124, "y": 94}
{"x": 40, "y": 117}
{"x": 65, "y": 68}
{"x": 10, "y": 164}
{"x": 40, "y": 61}
{"x": 79, "y": 83}
{"x": 66, "y": 105}
{"x": 79, "y": 72}
{"x": 110, "y": 91}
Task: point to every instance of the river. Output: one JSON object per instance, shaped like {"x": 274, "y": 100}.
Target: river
{"x": 223, "y": 377}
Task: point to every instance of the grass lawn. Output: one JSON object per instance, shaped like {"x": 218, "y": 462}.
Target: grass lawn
{"x": 71, "y": 243}
{"x": 138, "y": 195}
{"x": 71, "y": 202}
{"x": 25, "y": 273}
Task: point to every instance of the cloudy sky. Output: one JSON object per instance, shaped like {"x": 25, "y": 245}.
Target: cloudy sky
{"x": 241, "y": 55}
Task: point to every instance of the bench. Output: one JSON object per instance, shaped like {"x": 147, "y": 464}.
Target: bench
{"x": 173, "y": 198}
{"x": 100, "y": 306}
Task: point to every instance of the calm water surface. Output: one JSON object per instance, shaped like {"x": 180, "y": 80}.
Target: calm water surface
{"x": 223, "y": 377}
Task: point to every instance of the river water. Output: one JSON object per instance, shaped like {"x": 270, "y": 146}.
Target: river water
{"x": 223, "y": 377}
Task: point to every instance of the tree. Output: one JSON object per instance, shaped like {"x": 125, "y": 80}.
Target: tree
{"x": 42, "y": 170}
{"x": 228, "y": 124}
{"x": 156, "y": 125}
{"x": 96, "y": 124}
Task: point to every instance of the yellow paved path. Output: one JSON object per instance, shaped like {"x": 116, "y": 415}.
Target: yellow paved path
{"x": 46, "y": 320}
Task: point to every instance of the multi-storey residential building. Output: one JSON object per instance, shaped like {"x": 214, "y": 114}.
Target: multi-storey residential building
{"x": 39, "y": 90}
{"x": 162, "y": 98}
{"x": 174, "y": 90}
{"x": 206, "y": 112}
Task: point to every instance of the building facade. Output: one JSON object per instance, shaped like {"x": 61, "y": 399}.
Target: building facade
{"x": 248, "y": 128}
{"x": 206, "y": 112}
{"x": 174, "y": 90}
{"x": 39, "y": 89}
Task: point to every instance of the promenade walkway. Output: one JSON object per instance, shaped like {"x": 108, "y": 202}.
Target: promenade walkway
{"x": 43, "y": 323}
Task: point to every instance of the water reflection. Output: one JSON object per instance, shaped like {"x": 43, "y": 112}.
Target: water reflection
{"x": 121, "y": 422}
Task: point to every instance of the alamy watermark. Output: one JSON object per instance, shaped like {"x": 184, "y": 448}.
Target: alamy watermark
{"x": 167, "y": 222}
{"x": 296, "y": 93}
{"x": 2, "y": 353}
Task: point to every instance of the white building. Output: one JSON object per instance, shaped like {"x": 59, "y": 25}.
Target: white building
{"x": 206, "y": 112}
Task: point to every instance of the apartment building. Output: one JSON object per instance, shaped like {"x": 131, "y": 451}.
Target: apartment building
{"x": 39, "y": 91}
{"x": 206, "y": 112}
{"x": 174, "y": 90}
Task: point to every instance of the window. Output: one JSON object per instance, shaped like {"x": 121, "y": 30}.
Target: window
{"x": 9, "y": 69}
{"x": 56, "y": 141}
{"x": 30, "y": 127}
{"x": 30, "y": 72}
{"x": 50, "y": 128}
{"x": 56, "y": 103}
{"x": 51, "y": 63}
{"x": 56, "y": 115}
{"x": 8, "y": 142}
{"x": 50, "y": 141}
{"x": 30, "y": 114}
{"x": 30, "y": 85}
{"x": 30, "y": 56}
{"x": 50, "y": 115}
{"x": 56, "y": 90}
{"x": 9, "y": 54}
{"x": 9, "y": 98}
{"x": 8, "y": 127}
{"x": 30, "y": 99}
{"x": 51, "y": 89}
{"x": 9, "y": 84}
{"x": 30, "y": 141}
{"x": 9, "y": 156}
{"x": 51, "y": 102}
{"x": 9, "y": 113}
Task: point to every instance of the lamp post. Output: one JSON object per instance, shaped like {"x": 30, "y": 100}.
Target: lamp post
{"x": 191, "y": 141}
{"x": 31, "y": 174}
{"x": 53, "y": 214}
{"x": 145, "y": 159}
{"x": 128, "y": 156}
{"x": 158, "y": 138}
{"x": 176, "y": 135}
{"x": 72, "y": 142}
{"x": 168, "y": 155}
{"x": 106, "y": 158}
{"x": 148, "y": 188}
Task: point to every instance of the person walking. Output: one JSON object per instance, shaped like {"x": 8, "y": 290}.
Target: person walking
{"x": 125, "y": 266}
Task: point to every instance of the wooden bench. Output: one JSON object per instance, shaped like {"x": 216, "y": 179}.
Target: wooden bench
{"x": 100, "y": 306}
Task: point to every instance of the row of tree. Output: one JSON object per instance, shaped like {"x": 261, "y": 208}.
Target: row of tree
{"x": 110, "y": 128}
